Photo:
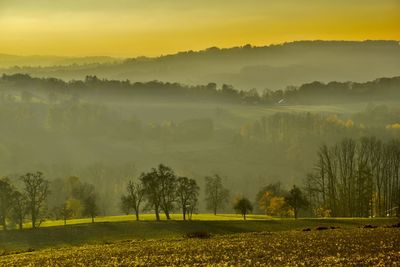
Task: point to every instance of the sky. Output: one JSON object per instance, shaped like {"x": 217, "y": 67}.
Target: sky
{"x": 126, "y": 28}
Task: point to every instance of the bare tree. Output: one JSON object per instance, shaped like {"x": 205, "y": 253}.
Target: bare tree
{"x": 36, "y": 192}
{"x": 19, "y": 208}
{"x": 160, "y": 189}
{"x": 187, "y": 192}
{"x": 90, "y": 207}
{"x": 133, "y": 199}
{"x": 357, "y": 178}
{"x": 167, "y": 180}
{"x": 216, "y": 194}
{"x": 152, "y": 190}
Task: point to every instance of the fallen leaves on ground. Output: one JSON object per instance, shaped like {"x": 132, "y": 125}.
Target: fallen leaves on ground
{"x": 378, "y": 247}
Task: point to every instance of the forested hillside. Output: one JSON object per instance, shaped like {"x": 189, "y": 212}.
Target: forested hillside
{"x": 273, "y": 67}
{"x": 382, "y": 89}
{"x": 106, "y": 132}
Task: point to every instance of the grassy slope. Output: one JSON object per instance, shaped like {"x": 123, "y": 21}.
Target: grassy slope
{"x": 112, "y": 229}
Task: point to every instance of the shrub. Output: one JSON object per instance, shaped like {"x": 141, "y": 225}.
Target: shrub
{"x": 198, "y": 234}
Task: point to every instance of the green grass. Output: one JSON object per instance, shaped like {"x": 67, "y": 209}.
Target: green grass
{"x": 151, "y": 217}
{"x": 115, "y": 228}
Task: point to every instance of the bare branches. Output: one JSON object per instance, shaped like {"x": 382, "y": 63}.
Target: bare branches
{"x": 216, "y": 194}
{"x": 357, "y": 178}
{"x": 36, "y": 191}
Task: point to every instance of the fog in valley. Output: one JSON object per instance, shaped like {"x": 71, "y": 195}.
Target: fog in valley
{"x": 269, "y": 67}
{"x": 106, "y": 132}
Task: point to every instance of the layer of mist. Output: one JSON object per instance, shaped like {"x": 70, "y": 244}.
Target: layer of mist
{"x": 106, "y": 134}
{"x": 273, "y": 67}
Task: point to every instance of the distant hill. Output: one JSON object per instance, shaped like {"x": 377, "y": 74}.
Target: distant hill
{"x": 9, "y": 61}
{"x": 247, "y": 67}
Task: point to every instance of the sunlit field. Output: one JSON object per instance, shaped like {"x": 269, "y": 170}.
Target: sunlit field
{"x": 378, "y": 247}
{"x": 118, "y": 228}
{"x": 203, "y": 217}
{"x": 151, "y": 217}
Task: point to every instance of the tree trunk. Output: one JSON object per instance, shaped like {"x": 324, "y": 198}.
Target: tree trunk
{"x": 295, "y": 213}
{"x": 92, "y": 219}
{"x": 167, "y": 215}
{"x": 33, "y": 221}
{"x": 157, "y": 213}
{"x": 65, "y": 221}
{"x": 137, "y": 215}
{"x": 190, "y": 213}
{"x": 244, "y": 216}
{"x": 20, "y": 224}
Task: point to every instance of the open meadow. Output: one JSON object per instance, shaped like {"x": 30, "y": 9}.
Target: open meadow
{"x": 330, "y": 247}
{"x": 53, "y": 234}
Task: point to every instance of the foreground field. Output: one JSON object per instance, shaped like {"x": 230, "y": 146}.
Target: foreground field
{"x": 117, "y": 228}
{"x": 379, "y": 247}
{"x": 112, "y": 229}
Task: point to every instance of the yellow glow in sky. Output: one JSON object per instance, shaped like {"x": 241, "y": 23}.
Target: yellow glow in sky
{"x": 155, "y": 27}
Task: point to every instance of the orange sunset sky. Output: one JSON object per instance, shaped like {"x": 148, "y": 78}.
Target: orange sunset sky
{"x": 124, "y": 28}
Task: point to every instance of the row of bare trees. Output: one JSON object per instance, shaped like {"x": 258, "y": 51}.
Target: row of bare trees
{"x": 163, "y": 191}
{"x": 356, "y": 178}
{"x": 30, "y": 201}
{"x": 15, "y": 205}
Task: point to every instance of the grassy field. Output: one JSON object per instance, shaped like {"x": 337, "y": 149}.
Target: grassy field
{"x": 151, "y": 217}
{"x": 339, "y": 247}
{"x": 111, "y": 229}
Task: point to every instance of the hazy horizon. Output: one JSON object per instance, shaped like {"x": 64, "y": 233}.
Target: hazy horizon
{"x": 135, "y": 28}
{"x": 187, "y": 50}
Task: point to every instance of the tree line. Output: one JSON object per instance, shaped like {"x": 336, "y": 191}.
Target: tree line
{"x": 165, "y": 192}
{"x": 356, "y": 178}
{"x": 308, "y": 93}
{"x": 31, "y": 201}
{"x": 160, "y": 190}
{"x": 352, "y": 178}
